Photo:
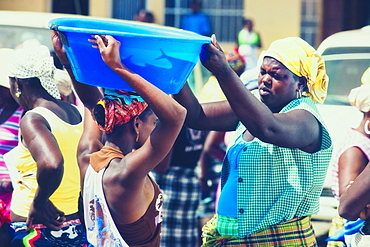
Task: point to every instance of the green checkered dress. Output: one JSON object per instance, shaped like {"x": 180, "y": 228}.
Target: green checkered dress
{"x": 278, "y": 184}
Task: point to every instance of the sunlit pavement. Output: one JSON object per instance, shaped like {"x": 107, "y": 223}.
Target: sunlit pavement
{"x": 321, "y": 227}
{"x": 322, "y": 222}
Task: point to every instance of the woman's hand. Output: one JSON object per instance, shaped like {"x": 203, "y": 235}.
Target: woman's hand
{"x": 46, "y": 214}
{"x": 109, "y": 49}
{"x": 58, "y": 48}
{"x": 213, "y": 58}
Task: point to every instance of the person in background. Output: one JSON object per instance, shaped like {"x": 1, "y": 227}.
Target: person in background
{"x": 348, "y": 161}
{"x": 122, "y": 203}
{"x": 10, "y": 115}
{"x": 44, "y": 208}
{"x": 274, "y": 171}
{"x": 354, "y": 204}
{"x": 248, "y": 42}
{"x": 177, "y": 177}
{"x": 144, "y": 16}
{"x": 211, "y": 91}
{"x": 64, "y": 85}
{"x": 353, "y": 157}
{"x": 196, "y": 21}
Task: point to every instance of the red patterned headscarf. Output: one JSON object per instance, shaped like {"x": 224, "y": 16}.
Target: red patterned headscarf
{"x": 119, "y": 108}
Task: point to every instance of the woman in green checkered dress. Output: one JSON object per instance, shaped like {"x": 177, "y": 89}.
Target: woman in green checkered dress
{"x": 274, "y": 171}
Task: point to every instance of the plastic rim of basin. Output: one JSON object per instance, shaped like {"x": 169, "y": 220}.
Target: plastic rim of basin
{"x": 164, "y": 56}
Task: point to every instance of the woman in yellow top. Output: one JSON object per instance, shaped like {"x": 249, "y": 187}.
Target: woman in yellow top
{"x": 44, "y": 209}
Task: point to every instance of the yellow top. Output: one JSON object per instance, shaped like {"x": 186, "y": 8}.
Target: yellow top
{"x": 65, "y": 198}
{"x": 211, "y": 91}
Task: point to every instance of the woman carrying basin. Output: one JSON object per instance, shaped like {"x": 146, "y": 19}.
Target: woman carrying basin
{"x": 121, "y": 202}
{"x": 274, "y": 172}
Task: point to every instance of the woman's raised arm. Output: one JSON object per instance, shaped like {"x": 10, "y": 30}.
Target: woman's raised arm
{"x": 171, "y": 115}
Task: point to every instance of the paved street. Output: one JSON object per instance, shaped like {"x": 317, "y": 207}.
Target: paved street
{"x": 321, "y": 227}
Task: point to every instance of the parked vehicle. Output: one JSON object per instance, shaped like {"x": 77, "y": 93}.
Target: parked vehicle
{"x": 17, "y": 27}
{"x": 347, "y": 56}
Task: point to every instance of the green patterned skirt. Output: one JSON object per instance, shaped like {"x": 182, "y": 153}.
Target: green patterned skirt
{"x": 296, "y": 232}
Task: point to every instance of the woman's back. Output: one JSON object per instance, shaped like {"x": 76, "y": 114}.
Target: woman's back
{"x": 65, "y": 111}
{"x": 67, "y": 135}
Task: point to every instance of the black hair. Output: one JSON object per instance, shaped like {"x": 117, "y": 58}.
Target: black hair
{"x": 145, "y": 114}
{"x": 99, "y": 114}
{"x": 30, "y": 81}
{"x": 247, "y": 21}
{"x": 149, "y": 17}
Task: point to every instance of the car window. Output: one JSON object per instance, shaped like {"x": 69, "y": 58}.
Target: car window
{"x": 12, "y": 36}
{"x": 345, "y": 72}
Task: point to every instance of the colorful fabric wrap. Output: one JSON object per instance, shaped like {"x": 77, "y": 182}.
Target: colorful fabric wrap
{"x": 302, "y": 60}
{"x": 119, "y": 108}
{"x": 295, "y": 232}
{"x": 235, "y": 60}
{"x": 35, "y": 61}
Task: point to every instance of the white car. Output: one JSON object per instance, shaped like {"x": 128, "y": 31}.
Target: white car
{"x": 20, "y": 28}
{"x": 347, "y": 56}
{"x": 17, "y": 27}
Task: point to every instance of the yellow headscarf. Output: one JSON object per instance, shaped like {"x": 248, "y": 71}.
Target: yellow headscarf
{"x": 302, "y": 60}
{"x": 365, "y": 79}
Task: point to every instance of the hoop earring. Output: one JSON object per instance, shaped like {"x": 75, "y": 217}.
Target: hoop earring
{"x": 299, "y": 94}
{"x": 18, "y": 94}
{"x": 366, "y": 127}
{"x": 137, "y": 137}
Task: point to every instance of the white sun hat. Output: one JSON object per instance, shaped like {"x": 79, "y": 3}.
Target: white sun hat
{"x": 5, "y": 54}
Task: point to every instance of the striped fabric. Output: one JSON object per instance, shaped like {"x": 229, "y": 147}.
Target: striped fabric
{"x": 296, "y": 232}
{"x": 360, "y": 240}
{"x": 71, "y": 234}
{"x": 227, "y": 225}
{"x": 181, "y": 190}
{"x": 8, "y": 139}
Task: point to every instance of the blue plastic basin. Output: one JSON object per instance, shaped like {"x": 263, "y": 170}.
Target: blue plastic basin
{"x": 162, "y": 55}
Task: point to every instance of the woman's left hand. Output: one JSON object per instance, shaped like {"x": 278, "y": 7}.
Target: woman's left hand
{"x": 213, "y": 58}
{"x": 46, "y": 214}
{"x": 58, "y": 48}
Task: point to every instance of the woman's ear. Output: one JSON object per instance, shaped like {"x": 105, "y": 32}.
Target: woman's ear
{"x": 302, "y": 83}
{"x": 136, "y": 123}
{"x": 15, "y": 86}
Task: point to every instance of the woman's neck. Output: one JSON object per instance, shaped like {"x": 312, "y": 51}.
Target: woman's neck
{"x": 35, "y": 98}
{"x": 125, "y": 149}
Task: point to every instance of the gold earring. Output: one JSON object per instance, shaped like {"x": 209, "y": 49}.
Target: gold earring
{"x": 18, "y": 94}
{"x": 137, "y": 136}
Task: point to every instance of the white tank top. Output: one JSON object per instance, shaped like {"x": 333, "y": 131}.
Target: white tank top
{"x": 100, "y": 227}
